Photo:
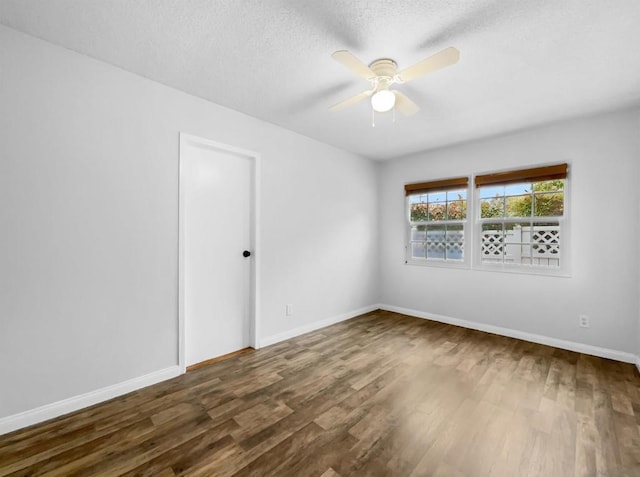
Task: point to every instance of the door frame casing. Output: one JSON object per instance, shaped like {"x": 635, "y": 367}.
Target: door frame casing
{"x": 187, "y": 141}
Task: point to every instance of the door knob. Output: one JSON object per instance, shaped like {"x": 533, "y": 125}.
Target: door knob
{"x": 246, "y": 254}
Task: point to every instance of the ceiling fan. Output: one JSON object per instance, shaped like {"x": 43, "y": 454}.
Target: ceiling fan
{"x": 384, "y": 73}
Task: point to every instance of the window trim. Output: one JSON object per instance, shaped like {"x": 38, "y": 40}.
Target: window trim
{"x": 512, "y": 176}
{"x": 453, "y": 183}
{"x": 472, "y": 225}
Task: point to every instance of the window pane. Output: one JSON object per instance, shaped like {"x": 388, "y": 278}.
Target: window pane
{"x": 518, "y": 206}
{"x": 491, "y": 192}
{"x": 418, "y": 212}
{"x": 437, "y": 211}
{"x": 418, "y": 233}
{"x": 436, "y": 242}
{"x": 417, "y": 250}
{"x": 492, "y": 249}
{"x": 549, "y": 186}
{"x": 522, "y": 243}
{"x": 457, "y": 210}
{"x": 545, "y": 244}
{"x": 549, "y": 204}
{"x": 518, "y": 189}
{"x": 439, "y": 241}
{"x": 455, "y": 242}
{"x": 458, "y": 194}
{"x": 437, "y": 196}
{"x": 532, "y": 241}
{"x": 517, "y": 248}
{"x": 490, "y": 208}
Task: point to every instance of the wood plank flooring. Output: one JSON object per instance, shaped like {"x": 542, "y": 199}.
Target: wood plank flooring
{"x": 381, "y": 394}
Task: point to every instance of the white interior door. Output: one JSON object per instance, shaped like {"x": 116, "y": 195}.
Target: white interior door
{"x": 216, "y": 229}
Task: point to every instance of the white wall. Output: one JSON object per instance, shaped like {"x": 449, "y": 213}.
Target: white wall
{"x": 603, "y": 157}
{"x": 637, "y": 231}
{"x": 89, "y": 213}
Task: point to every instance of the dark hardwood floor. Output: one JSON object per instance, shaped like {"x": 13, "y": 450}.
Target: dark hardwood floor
{"x": 381, "y": 394}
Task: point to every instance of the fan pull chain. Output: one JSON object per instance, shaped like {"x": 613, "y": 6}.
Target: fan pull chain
{"x": 373, "y": 118}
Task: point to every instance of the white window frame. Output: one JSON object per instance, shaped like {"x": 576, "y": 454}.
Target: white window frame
{"x": 466, "y": 226}
{"x": 564, "y": 268}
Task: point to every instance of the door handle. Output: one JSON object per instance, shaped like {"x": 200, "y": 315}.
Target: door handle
{"x": 246, "y": 254}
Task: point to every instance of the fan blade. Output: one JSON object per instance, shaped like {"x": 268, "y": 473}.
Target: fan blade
{"x": 446, "y": 57}
{"x": 354, "y": 64}
{"x": 350, "y": 101}
{"x": 404, "y": 105}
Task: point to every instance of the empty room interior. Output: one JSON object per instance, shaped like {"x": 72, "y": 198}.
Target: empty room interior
{"x": 308, "y": 238}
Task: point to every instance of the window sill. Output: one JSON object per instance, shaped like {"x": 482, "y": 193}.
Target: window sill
{"x": 437, "y": 263}
{"x": 524, "y": 270}
{"x": 519, "y": 270}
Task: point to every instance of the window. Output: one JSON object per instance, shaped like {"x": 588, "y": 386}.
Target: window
{"x": 520, "y": 217}
{"x": 437, "y": 214}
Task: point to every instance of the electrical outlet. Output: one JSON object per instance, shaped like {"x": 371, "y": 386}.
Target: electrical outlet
{"x": 289, "y": 309}
{"x": 583, "y": 321}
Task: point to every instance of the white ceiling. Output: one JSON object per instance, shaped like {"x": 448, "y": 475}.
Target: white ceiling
{"x": 523, "y": 62}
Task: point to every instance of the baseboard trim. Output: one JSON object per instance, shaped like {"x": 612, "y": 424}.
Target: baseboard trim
{"x": 66, "y": 406}
{"x": 209, "y": 362}
{"x": 522, "y": 335}
{"x": 316, "y": 325}
{"x": 75, "y": 403}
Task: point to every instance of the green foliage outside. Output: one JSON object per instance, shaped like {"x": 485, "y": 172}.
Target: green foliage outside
{"x": 548, "y": 202}
{"x": 454, "y": 210}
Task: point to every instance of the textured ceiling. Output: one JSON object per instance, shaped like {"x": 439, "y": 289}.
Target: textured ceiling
{"x": 522, "y": 62}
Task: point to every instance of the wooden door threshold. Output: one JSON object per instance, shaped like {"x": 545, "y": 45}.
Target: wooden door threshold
{"x": 207, "y": 362}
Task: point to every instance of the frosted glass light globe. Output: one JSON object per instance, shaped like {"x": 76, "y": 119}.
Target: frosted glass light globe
{"x": 383, "y": 101}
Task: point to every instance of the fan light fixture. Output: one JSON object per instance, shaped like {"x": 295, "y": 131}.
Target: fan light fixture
{"x": 383, "y": 101}
{"x": 383, "y": 73}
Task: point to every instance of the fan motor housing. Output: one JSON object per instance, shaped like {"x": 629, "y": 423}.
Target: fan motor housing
{"x": 384, "y": 67}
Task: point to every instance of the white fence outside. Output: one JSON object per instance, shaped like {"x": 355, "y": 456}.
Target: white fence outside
{"x": 437, "y": 244}
{"x": 538, "y": 245}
